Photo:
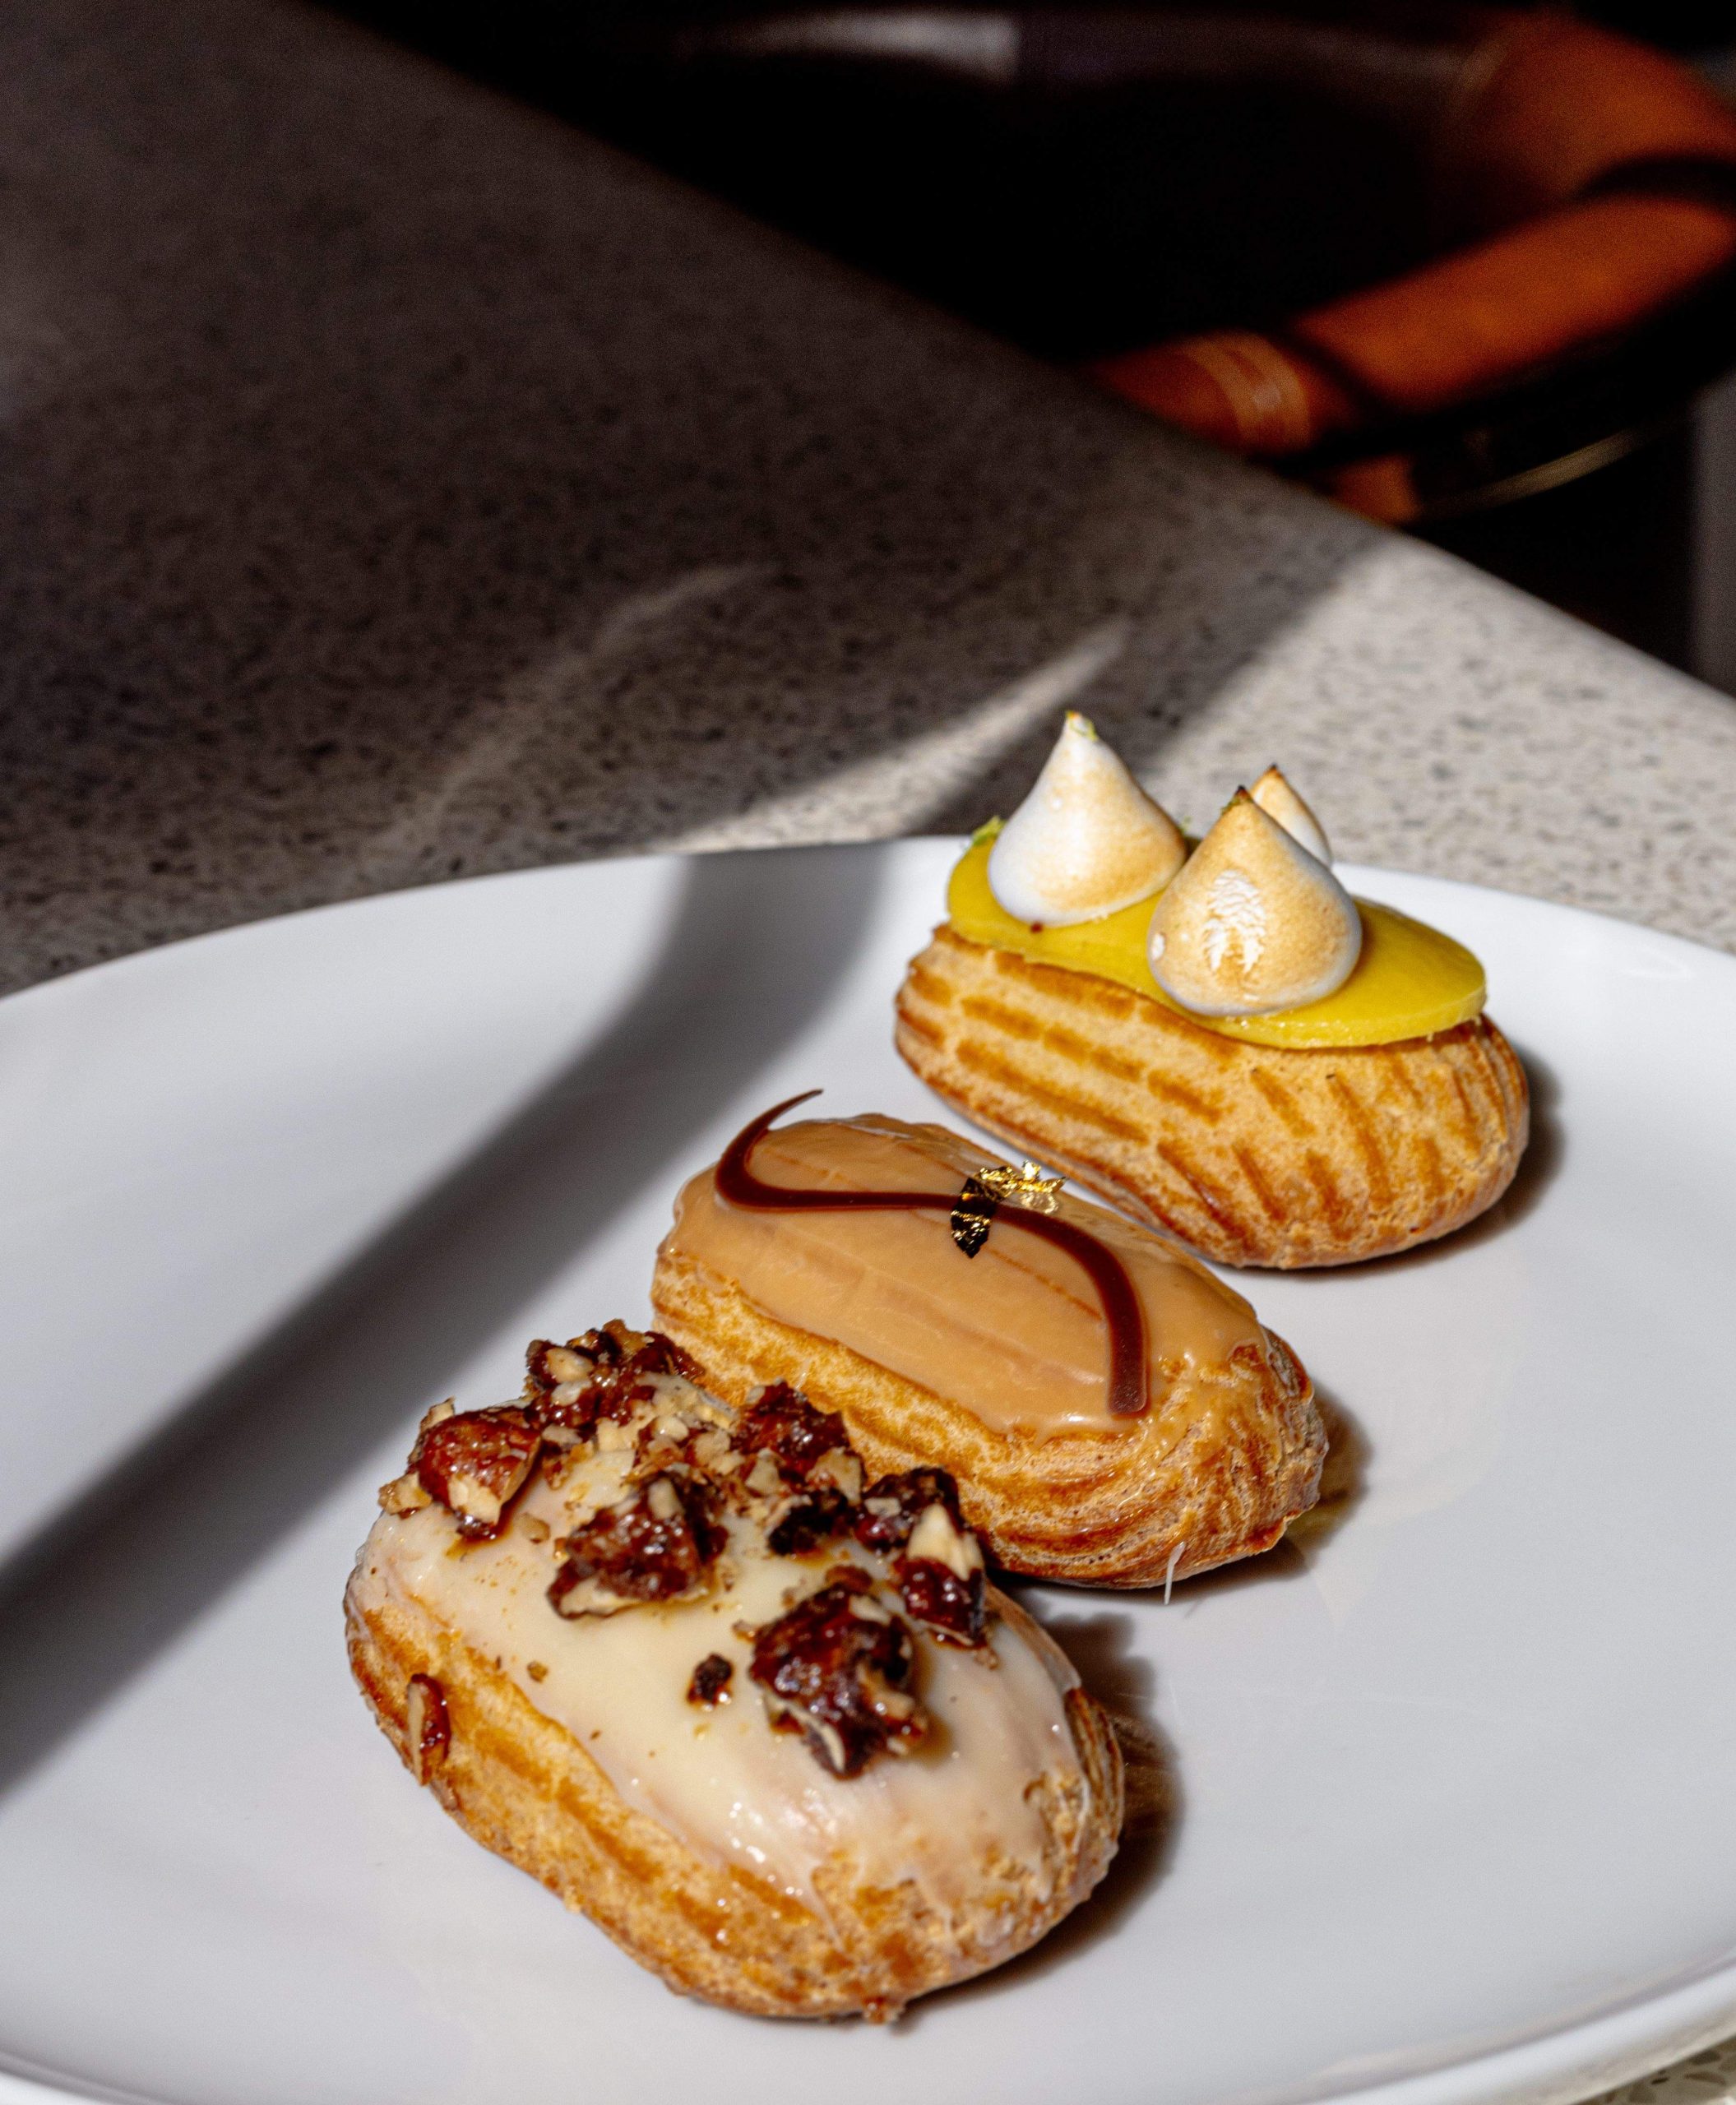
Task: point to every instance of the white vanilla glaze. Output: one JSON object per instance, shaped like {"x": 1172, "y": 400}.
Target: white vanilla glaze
{"x": 722, "y": 1780}
{"x": 1254, "y": 923}
{"x": 1273, "y": 793}
{"x": 1015, "y": 1334}
{"x": 1087, "y": 841}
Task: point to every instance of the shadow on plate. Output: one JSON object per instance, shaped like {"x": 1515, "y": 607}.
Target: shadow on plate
{"x": 1343, "y": 1478}
{"x": 1100, "y": 1646}
{"x": 116, "y": 1577}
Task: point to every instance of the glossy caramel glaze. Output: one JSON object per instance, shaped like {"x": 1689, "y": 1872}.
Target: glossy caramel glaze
{"x": 995, "y": 1367}
{"x": 739, "y": 1187}
{"x": 1015, "y": 1334}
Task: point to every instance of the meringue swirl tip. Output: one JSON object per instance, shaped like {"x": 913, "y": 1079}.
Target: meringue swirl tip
{"x": 1087, "y": 841}
{"x": 1275, "y": 795}
{"x": 1255, "y": 923}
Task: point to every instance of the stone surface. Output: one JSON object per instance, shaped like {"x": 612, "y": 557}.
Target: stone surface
{"x": 398, "y": 485}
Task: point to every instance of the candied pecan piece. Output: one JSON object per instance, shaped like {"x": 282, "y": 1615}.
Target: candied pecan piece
{"x": 548, "y": 1365}
{"x": 645, "y": 1354}
{"x": 837, "y": 1668}
{"x": 615, "y": 1370}
{"x": 662, "y": 1441}
{"x": 940, "y": 1576}
{"x": 955, "y": 1610}
{"x": 474, "y": 1462}
{"x": 565, "y": 1384}
{"x": 428, "y": 1725}
{"x": 783, "y": 1422}
{"x": 404, "y": 1495}
{"x": 711, "y": 1679}
{"x": 891, "y": 1508}
{"x": 657, "y": 1543}
{"x": 813, "y": 1518}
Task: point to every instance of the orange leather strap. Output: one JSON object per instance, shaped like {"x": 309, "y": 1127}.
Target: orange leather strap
{"x": 1551, "y": 110}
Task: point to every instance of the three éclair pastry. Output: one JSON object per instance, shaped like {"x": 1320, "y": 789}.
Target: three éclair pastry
{"x": 1222, "y": 1042}
{"x": 1114, "y": 1415}
{"x": 759, "y": 1717}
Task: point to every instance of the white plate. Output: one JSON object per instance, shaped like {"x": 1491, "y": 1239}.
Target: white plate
{"x": 1455, "y": 1817}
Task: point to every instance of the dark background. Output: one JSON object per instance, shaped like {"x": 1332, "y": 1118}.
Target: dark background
{"x": 1642, "y": 547}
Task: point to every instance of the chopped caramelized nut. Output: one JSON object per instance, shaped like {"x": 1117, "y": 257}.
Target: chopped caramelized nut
{"x": 427, "y": 1726}
{"x": 838, "y": 1677}
{"x": 475, "y": 1463}
{"x": 765, "y": 1479}
{"x": 942, "y": 1579}
{"x": 891, "y": 1508}
{"x": 657, "y": 1543}
{"x": 712, "y": 1450}
{"x": 550, "y": 1366}
{"x": 786, "y": 1425}
{"x": 810, "y": 1520}
{"x": 710, "y": 1682}
{"x": 659, "y": 1446}
{"x": 616, "y": 1370}
{"x": 404, "y": 1494}
{"x": 536, "y": 1670}
{"x": 609, "y": 1346}
{"x": 939, "y": 1538}
{"x": 841, "y": 1471}
{"x": 952, "y": 1609}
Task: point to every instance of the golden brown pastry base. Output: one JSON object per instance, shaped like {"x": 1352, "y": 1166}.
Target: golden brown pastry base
{"x": 1216, "y": 1469}
{"x": 523, "y": 1786}
{"x": 1252, "y": 1154}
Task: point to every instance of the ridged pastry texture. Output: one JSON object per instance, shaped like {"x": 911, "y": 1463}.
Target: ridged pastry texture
{"x": 1252, "y": 1154}
{"x": 1217, "y": 1467}
{"x": 523, "y": 1787}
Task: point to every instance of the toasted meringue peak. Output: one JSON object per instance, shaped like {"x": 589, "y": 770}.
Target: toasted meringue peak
{"x": 1274, "y": 795}
{"x": 1254, "y": 923}
{"x": 1087, "y": 841}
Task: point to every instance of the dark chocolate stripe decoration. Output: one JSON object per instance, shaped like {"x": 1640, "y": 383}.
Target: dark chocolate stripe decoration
{"x": 1123, "y": 1316}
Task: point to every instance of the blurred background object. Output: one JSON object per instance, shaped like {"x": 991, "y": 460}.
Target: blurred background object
{"x": 1464, "y": 269}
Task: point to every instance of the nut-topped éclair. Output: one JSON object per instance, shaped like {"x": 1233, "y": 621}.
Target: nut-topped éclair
{"x": 759, "y": 1715}
{"x": 1114, "y": 1415}
{"x": 1247, "y": 1056}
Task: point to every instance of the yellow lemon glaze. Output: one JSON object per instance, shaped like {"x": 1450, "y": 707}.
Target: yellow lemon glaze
{"x": 1409, "y": 982}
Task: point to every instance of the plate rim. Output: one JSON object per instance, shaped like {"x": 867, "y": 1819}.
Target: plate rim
{"x": 230, "y": 932}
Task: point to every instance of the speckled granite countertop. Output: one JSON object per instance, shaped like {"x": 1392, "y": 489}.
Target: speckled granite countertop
{"x": 398, "y": 485}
